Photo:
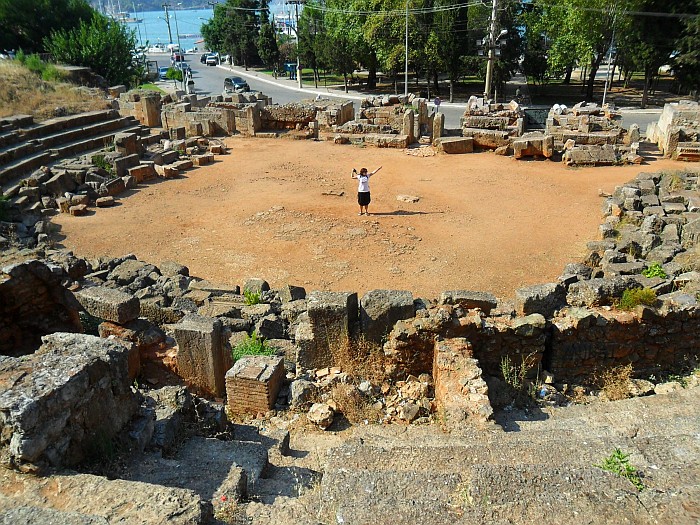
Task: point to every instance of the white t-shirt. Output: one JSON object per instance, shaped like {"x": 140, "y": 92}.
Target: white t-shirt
{"x": 363, "y": 181}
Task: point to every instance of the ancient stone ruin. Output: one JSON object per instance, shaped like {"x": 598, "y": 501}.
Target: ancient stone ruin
{"x": 677, "y": 133}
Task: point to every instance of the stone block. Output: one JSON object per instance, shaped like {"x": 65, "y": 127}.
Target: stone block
{"x": 200, "y": 358}
{"x": 544, "y": 299}
{"x": 115, "y": 186}
{"x": 487, "y": 139}
{"x": 105, "y": 202}
{"x": 255, "y": 285}
{"x": 122, "y": 164}
{"x": 78, "y": 210}
{"x": 460, "y": 389}
{"x": 62, "y": 401}
{"x": 126, "y": 143}
{"x": 167, "y": 171}
{"x": 59, "y": 184}
{"x": 202, "y": 160}
{"x": 142, "y": 172}
{"x": 533, "y": 145}
{"x": 454, "y": 145}
{"x": 253, "y": 383}
{"x": 469, "y": 300}
{"x": 590, "y": 156}
{"x": 333, "y": 317}
{"x": 598, "y": 291}
{"x": 381, "y": 309}
{"x": 109, "y": 304}
{"x": 289, "y": 293}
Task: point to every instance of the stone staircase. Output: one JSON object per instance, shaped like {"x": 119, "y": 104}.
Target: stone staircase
{"x": 26, "y": 146}
{"x": 541, "y": 470}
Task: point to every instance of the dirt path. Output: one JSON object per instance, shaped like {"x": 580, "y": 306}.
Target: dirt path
{"x": 483, "y": 222}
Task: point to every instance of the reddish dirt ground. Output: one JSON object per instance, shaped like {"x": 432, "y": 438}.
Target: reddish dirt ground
{"x": 483, "y": 222}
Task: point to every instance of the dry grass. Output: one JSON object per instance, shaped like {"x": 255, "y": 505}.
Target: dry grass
{"x": 23, "y": 92}
{"x": 354, "y": 405}
{"x": 359, "y": 358}
{"x": 615, "y": 382}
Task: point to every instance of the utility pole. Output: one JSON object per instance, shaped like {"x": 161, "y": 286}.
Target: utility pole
{"x": 492, "y": 50}
{"x": 167, "y": 21}
{"x": 296, "y": 32}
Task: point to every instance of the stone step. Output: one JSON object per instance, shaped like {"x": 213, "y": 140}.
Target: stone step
{"x": 24, "y": 166}
{"x": 482, "y": 494}
{"x": 8, "y": 137}
{"x": 96, "y": 142}
{"x": 116, "y": 501}
{"x": 210, "y": 467}
{"x": 74, "y": 134}
{"x": 17, "y": 151}
{"x": 55, "y": 125}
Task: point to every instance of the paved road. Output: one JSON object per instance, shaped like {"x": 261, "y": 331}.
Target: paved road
{"x": 209, "y": 80}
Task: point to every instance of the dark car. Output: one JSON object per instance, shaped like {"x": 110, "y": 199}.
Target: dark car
{"x": 235, "y": 85}
{"x": 162, "y": 72}
{"x": 203, "y": 58}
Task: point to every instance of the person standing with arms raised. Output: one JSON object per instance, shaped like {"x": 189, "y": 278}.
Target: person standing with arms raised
{"x": 363, "y": 195}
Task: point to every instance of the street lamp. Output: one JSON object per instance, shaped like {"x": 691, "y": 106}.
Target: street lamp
{"x": 405, "y": 79}
{"x": 177, "y": 30}
{"x": 167, "y": 21}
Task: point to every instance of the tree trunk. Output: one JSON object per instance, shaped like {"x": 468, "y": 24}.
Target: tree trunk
{"x": 567, "y": 76}
{"x": 595, "y": 64}
{"x": 345, "y": 81}
{"x": 452, "y": 90}
{"x": 372, "y": 72}
{"x": 436, "y": 85}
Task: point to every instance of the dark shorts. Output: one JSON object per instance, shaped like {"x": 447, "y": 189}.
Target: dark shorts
{"x": 363, "y": 198}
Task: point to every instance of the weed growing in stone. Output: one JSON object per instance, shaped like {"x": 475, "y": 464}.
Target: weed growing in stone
{"x": 618, "y": 463}
{"x": 655, "y": 270}
{"x": 615, "y": 382}
{"x": 251, "y": 345}
{"x": 634, "y": 297}
{"x": 359, "y": 358}
{"x": 101, "y": 162}
{"x": 251, "y": 298}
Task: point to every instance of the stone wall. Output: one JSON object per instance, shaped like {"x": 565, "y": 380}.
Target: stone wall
{"x": 144, "y": 106}
{"x": 65, "y": 402}
{"x": 32, "y": 304}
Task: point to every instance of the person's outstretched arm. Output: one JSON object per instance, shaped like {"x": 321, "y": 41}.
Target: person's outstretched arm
{"x": 353, "y": 175}
{"x": 375, "y": 171}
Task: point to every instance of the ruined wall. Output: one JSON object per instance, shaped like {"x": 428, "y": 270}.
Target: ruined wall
{"x": 677, "y": 133}
{"x": 210, "y": 121}
{"x": 65, "y": 402}
{"x": 144, "y": 106}
{"x": 33, "y": 303}
{"x": 288, "y": 116}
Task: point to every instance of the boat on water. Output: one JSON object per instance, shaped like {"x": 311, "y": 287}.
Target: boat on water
{"x": 126, "y": 18}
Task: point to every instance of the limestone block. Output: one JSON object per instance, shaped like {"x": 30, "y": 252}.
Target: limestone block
{"x": 61, "y": 398}
{"x": 202, "y": 160}
{"x": 487, "y": 139}
{"x": 454, "y": 145}
{"x": 333, "y": 317}
{"x": 105, "y": 202}
{"x": 598, "y": 291}
{"x": 590, "y": 156}
{"x": 115, "y": 186}
{"x": 290, "y": 293}
{"x": 59, "y": 184}
{"x": 534, "y": 145}
{"x": 78, "y": 210}
{"x": 172, "y": 268}
{"x": 76, "y": 200}
{"x": 253, "y": 383}
{"x": 167, "y": 171}
{"x": 142, "y": 172}
{"x": 321, "y": 415}
{"x": 126, "y": 143}
{"x": 109, "y": 304}
{"x": 122, "y": 164}
{"x": 184, "y": 164}
{"x": 200, "y": 359}
{"x": 381, "y": 309}
{"x": 255, "y": 285}
{"x": 469, "y": 300}
{"x": 459, "y": 387}
{"x": 544, "y": 299}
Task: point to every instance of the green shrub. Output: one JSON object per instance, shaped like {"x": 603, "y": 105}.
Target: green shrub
{"x": 655, "y": 270}
{"x": 251, "y": 297}
{"x": 174, "y": 74}
{"x": 251, "y": 345}
{"x": 618, "y": 463}
{"x": 52, "y": 74}
{"x": 35, "y": 64}
{"x": 634, "y": 297}
{"x": 101, "y": 162}
{"x": 20, "y": 56}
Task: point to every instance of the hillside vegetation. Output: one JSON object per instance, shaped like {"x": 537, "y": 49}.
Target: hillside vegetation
{"x": 24, "y": 92}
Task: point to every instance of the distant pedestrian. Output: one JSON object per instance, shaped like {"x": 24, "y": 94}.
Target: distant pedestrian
{"x": 363, "y": 195}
